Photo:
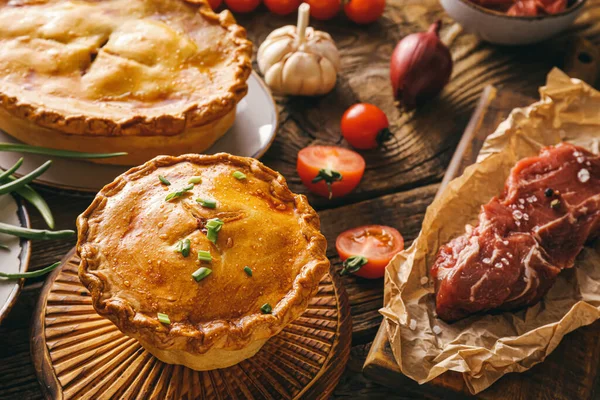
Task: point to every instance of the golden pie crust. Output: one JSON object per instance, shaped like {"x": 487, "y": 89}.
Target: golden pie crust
{"x": 147, "y": 77}
{"x": 128, "y": 239}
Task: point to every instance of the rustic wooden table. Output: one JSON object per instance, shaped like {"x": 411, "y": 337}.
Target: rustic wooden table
{"x": 398, "y": 185}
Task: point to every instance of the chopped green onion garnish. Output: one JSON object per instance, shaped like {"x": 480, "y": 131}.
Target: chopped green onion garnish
{"x": 164, "y": 180}
{"x": 34, "y": 233}
{"x": 183, "y": 247}
{"x": 164, "y": 319}
{"x": 248, "y": 270}
{"x": 179, "y": 193}
{"x": 213, "y": 226}
{"x": 24, "y": 148}
{"x": 208, "y": 203}
{"x": 195, "y": 180}
{"x": 353, "y": 264}
{"x": 266, "y": 308}
{"x": 32, "y": 274}
{"x": 239, "y": 175}
{"x": 204, "y": 256}
{"x": 201, "y": 273}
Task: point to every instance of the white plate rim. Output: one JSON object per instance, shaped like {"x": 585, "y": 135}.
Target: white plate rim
{"x": 24, "y": 258}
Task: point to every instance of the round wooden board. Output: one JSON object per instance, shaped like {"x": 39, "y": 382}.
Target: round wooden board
{"x": 79, "y": 355}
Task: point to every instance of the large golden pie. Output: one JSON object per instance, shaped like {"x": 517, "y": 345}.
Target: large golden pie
{"x": 215, "y": 300}
{"x": 147, "y": 77}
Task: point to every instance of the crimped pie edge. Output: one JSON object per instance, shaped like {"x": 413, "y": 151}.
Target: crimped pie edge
{"x": 196, "y": 114}
{"x": 232, "y": 335}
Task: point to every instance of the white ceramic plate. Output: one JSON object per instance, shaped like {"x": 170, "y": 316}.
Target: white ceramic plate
{"x": 251, "y": 135}
{"x": 16, "y": 259}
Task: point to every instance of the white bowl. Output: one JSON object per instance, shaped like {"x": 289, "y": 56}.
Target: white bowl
{"x": 499, "y": 28}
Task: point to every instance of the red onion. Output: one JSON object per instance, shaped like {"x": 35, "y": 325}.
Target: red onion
{"x": 421, "y": 67}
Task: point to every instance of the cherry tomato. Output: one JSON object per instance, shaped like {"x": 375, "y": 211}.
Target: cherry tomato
{"x": 330, "y": 171}
{"x": 324, "y": 9}
{"x": 242, "y": 6}
{"x": 282, "y": 7}
{"x": 365, "y": 126}
{"x": 214, "y": 4}
{"x": 375, "y": 244}
{"x": 364, "y": 11}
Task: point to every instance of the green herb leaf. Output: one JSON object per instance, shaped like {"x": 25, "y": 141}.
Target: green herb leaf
{"x": 4, "y": 247}
{"x": 195, "y": 180}
{"x": 555, "y": 204}
{"x": 41, "y": 234}
{"x": 329, "y": 176}
{"x": 33, "y": 197}
{"x": 179, "y": 193}
{"x": 213, "y": 226}
{"x": 24, "y": 148}
{"x": 353, "y": 264}
{"x": 22, "y": 181}
{"x": 164, "y": 180}
{"x": 32, "y": 274}
{"x": 164, "y": 319}
{"x": 183, "y": 247}
{"x": 204, "y": 256}
{"x": 201, "y": 273}
{"x": 239, "y": 175}
{"x": 11, "y": 170}
{"x": 208, "y": 203}
{"x": 248, "y": 270}
{"x": 266, "y": 308}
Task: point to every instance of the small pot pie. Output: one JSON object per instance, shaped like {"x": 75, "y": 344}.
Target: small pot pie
{"x": 147, "y": 77}
{"x": 201, "y": 258}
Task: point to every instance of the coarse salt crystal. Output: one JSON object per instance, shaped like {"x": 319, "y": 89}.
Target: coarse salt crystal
{"x": 504, "y": 260}
{"x": 498, "y": 265}
{"x": 531, "y": 199}
{"x": 517, "y": 214}
{"x": 487, "y": 261}
{"x": 437, "y": 330}
{"x": 505, "y": 242}
{"x": 526, "y": 217}
{"x": 517, "y": 223}
{"x": 424, "y": 280}
{"x": 521, "y": 201}
{"x": 580, "y": 159}
{"x": 583, "y": 175}
{"x": 413, "y": 324}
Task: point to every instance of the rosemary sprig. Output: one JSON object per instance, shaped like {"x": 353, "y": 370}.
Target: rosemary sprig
{"x": 27, "y": 233}
{"x": 11, "y": 170}
{"x": 32, "y": 274}
{"x": 24, "y": 180}
{"x": 24, "y": 148}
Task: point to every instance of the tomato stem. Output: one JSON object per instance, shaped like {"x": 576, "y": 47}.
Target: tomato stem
{"x": 353, "y": 264}
{"x": 383, "y": 136}
{"x": 329, "y": 176}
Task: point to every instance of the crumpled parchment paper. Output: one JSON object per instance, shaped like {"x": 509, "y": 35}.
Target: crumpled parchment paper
{"x": 485, "y": 347}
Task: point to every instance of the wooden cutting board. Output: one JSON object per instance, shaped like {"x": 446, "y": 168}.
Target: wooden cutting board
{"x": 79, "y": 355}
{"x": 568, "y": 373}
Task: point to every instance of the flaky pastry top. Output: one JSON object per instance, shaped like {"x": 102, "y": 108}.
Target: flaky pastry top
{"x": 120, "y": 66}
{"x": 129, "y": 238}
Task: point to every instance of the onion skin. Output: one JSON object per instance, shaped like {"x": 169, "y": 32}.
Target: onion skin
{"x": 420, "y": 68}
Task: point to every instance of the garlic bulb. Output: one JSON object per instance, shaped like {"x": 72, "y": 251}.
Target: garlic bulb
{"x": 299, "y": 60}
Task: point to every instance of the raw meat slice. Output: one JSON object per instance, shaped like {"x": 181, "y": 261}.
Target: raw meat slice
{"x": 549, "y": 209}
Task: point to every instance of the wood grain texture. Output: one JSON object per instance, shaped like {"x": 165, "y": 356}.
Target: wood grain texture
{"x": 570, "y": 372}
{"x": 410, "y": 169}
{"x": 78, "y": 354}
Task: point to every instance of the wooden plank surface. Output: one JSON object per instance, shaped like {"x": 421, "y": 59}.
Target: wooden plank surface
{"x": 568, "y": 373}
{"x": 399, "y": 182}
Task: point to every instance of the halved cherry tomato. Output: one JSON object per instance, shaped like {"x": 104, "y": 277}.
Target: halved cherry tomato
{"x": 330, "y": 171}
{"x": 324, "y": 9}
{"x": 242, "y": 6}
{"x": 282, "y": 7}
{"x": 365, "y": 126}
{"x": 364, "y": 11}
{"x": 214, "y": 4}
{"x": 378, "y": 244}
